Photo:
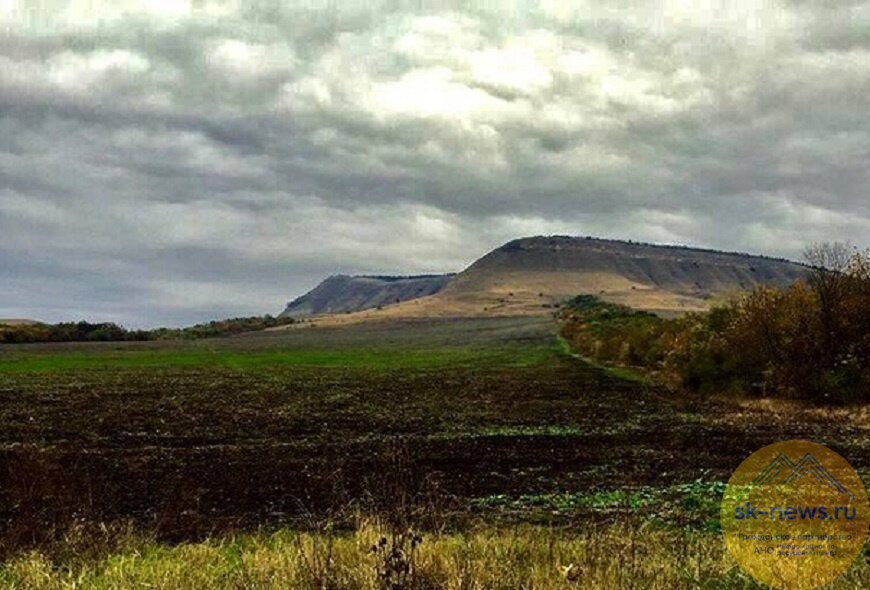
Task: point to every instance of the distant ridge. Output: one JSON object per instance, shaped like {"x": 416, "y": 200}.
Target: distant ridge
{"x": 530, "y": 276}
{"x": 345, "y": 293}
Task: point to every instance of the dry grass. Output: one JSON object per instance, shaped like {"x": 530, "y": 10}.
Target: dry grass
{"x": 16, "y": 322}
{"x": 517, "y": 294}
{"x": 612, "y": 556}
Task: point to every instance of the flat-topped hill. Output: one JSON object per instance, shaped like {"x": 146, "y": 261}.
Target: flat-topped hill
{"x": 641, "y": 275}
{"x": 534, "y": 275}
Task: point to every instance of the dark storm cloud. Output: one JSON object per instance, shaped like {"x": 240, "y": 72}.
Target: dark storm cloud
{"x": 162, "y": 163}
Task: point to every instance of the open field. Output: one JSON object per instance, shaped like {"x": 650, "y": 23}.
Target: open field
{"x": 474, "y": 420}
{"x": 408, "y": 344}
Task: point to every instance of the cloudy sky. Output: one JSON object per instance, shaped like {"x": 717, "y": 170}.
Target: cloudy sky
{"x": 171, "y": 161}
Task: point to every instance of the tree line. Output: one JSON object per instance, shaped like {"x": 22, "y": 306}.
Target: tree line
{"x": 810, "y": 340}
{"x": 106, "y": 331}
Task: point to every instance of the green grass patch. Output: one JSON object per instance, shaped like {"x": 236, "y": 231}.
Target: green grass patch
{"x": 373, "y": 358}
{"x": 618, "y": 371}
{"x": 628, "y": 374}
{"x": 511, "y": 342}
{"x": 694, "y": 504}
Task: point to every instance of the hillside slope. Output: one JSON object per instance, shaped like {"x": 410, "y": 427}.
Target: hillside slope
{"x": 531, "y": 276}
{"x": 343, "y": 293}
{"x": 646, "y": 276}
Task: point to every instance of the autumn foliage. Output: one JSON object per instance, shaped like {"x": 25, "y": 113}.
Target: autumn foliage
{"x": 810, "y": 340}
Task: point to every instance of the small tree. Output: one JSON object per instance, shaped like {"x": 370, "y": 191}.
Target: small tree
{"x": 828, "y": 279}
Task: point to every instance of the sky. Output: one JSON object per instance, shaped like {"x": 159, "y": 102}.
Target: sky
{"x": 169, "y": 162}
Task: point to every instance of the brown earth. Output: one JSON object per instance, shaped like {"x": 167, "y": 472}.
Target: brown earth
{"x": 190, "y": 449}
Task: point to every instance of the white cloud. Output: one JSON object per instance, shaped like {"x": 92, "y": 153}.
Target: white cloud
{"x": 237, "y": 59}
{"x": 261, "y": 146}
{"x": 526, "y": 75}
{"x": 432, "y": 92}
{"x": 80, "y": 73}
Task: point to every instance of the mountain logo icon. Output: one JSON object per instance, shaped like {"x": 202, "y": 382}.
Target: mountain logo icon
{"x": 782, "y": 471}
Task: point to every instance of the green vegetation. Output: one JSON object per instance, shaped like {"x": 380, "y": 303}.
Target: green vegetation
{"x": 809, "y": 341}
{"x": 373, "y": 358}
{"x": 109, "y": 332}
{"x": 372, "y": 557}
{"x": 693, "y": 505}
{"x": 68, "y": 332}
{"x": 517, "y": 342}
{"x": 639, "y": 345}
{"x": 216, "y": 328}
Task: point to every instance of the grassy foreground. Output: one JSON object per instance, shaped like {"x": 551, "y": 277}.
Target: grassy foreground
{"x": 615, "y": 555}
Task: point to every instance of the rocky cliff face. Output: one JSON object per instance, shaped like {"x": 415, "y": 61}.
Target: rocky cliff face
{"x": 344, "y": 293}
